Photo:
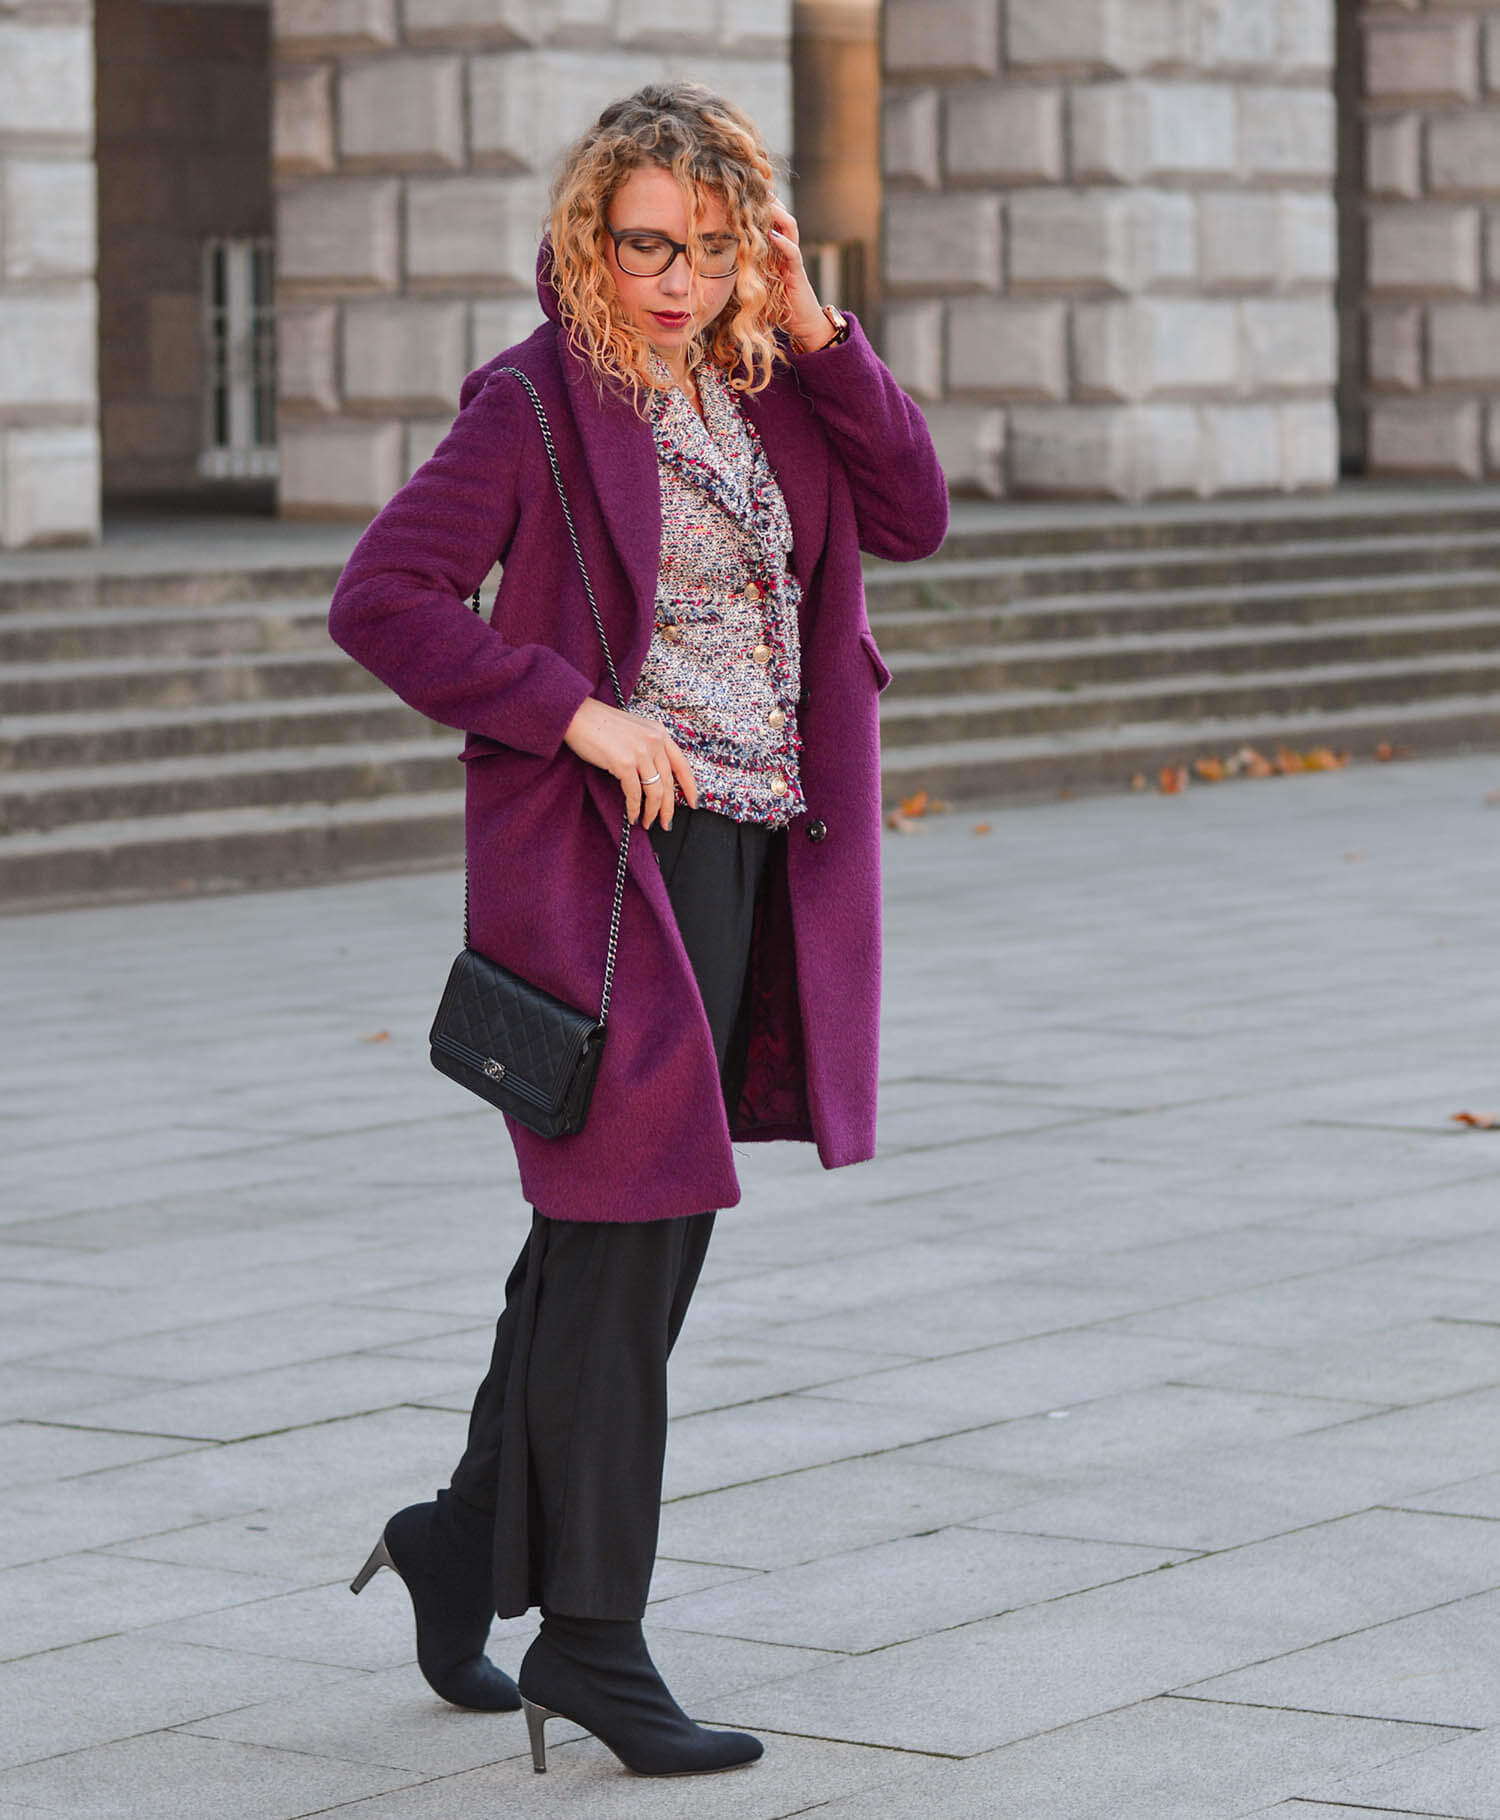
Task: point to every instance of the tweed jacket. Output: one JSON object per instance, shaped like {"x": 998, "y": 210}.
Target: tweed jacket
{"x": 857, "y": 469}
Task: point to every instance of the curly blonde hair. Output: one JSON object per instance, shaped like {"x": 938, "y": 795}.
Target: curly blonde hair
{"x": 711, "y": 147}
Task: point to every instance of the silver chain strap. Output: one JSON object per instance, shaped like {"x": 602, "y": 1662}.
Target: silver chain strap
{"x": 588, "y": 588}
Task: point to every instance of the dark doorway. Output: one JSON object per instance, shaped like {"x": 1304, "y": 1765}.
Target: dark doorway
{"x": 186, "y": 333}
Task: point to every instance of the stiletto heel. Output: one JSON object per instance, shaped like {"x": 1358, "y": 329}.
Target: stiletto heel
{"x": 536, "y": 1719}
{"x": 380, "y": 1556}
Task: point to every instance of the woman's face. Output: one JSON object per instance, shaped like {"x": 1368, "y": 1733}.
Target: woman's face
{"x": 677, "y": 304}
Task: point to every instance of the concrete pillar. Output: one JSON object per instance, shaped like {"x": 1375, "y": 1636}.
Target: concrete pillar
{"x": 1109, "y": 241}
{"x": 49, "y": 397}
{"x": 413, "y": 151}
{"x": 1432, "y": 219}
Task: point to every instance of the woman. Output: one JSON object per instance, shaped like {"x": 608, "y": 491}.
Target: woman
{"x": 728, "y": 447}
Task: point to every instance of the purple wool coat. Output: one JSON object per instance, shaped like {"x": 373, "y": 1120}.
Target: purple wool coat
{"x": 857, "y": 468}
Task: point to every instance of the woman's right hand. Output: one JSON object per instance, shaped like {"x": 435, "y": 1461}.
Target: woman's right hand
{"x": 633, "y": 749}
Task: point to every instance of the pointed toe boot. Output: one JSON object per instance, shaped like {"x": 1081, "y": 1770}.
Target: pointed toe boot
{"x": 598, "y": 1673}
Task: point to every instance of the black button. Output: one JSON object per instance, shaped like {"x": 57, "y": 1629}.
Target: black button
{"x": 817, "y": 831}
{"x": 803, "y": 697}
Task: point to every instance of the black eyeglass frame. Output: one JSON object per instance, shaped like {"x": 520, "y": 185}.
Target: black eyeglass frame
{"x": 679, "y": 250}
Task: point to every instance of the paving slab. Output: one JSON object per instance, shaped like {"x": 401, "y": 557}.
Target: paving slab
{"x": 1437, "y": 1668}
{"x": 1417, "y": 1362}
{"x": 1157, "y": 1761}
{"x": 172, "y": 1775}
{"x": 76, "y": 1597}
{"x": 894, "y": 1591}
{"x": 821, "y": 1511}
{"x": 795, "y": 1776}
{"x": 201, "y": 1484}
{"x": 1154, "y": 1426}
{"x": 32, "y": 1452}
{"x": 246, "y": 1404}
{"x": 1460, "y": 1779}
{"x": 71, "y": 1698}
{"x": 974, "y": 1688}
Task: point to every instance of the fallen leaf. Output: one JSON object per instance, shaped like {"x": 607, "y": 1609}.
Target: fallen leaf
{"x": 1288, "y": 761}
{"x": 1173, "y": 780}
{"x": 980, "y": 828}
{"x": 1257, "y": 764}
{"x": 1385, "y": 751}
{"x": 936, "y": 806}
{"x": 901, "y": 824}
{"x": 1211, "y": 770}
{"x": 1481, "y": 1121}
{"x": 1323, "y": 758}
{"x": 377, "y": 1036}
{"x": 913, "y": 806}
{"x": 1138, "y": 782}
{"x": 1492, "y": 797}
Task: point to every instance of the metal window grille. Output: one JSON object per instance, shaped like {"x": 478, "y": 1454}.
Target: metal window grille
{"x": 239, "y": 339}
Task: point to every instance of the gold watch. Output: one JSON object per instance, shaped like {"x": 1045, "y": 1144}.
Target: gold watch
{"x": 840, "y": 325}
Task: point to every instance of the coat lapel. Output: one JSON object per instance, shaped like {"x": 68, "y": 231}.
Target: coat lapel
{"x": 799, "y": 460}
{"x": 621, "y": 457}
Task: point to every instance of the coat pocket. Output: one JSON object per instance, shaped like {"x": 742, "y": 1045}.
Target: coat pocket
{"x": 877, "y": 662}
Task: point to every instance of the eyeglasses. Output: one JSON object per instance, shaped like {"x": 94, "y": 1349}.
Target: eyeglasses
{"x": 644, "y": 255}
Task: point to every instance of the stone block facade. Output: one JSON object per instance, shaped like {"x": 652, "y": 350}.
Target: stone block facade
{"x": 413, "y": 149}
{"x": 1432, "y": 222}
{"x": 1110, "y": 240}
{"x": 49, "y": 398}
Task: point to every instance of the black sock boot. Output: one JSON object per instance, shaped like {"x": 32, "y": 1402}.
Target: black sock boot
{"x": 442, "y": 1551}
{"x": 597, "y": 1672}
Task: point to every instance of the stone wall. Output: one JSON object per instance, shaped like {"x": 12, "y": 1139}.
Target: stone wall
{"x": 1432, "y": 175}
{"x": 1110, "y": 241}
{"x": 184, "y": 156}
{"x": 49, "y": 446}
{"x": 413, "y": 150}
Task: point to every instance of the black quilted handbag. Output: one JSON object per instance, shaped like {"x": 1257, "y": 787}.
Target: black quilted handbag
{"x": 495, "y": 1033}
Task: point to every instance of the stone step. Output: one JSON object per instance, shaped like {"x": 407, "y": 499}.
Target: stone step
{"x": 1066, "y": 663}
{"x": 35, "y": 801}
{"x": 942, "y": 582}
{"x": 231, "y": 849}
{"x": 1021, "y": 529}
{"x": 151, "y": 587}
{"x": 127, "y": 735}
{"x": 1101, "y": 758}
{"x": 1317, "y": 689}
{"x": 196, "y": 631}
{"x": 1108, "y": 616}
{"x": 72, "y": 686}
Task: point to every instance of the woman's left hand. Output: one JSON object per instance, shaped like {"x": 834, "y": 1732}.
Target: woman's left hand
{"x": 805, "y": 321}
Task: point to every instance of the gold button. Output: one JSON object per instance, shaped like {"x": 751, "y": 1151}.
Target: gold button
{"x": 761, "y": 655}
{"x": 673, "y": 634}
{"x": 752, "y": 590}
{"x": 776, "y": 720}
{"x": 778, "y": 785}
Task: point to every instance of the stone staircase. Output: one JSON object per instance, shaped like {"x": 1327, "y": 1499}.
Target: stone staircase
{"x": 197, "y": 731}
{"x": 1074, "y": 649}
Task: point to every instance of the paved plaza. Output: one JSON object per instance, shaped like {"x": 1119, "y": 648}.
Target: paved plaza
{"x": 1122, "y": 1444}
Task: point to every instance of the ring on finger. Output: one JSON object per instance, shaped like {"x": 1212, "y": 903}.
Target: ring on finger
{"x": 654, "y": 778}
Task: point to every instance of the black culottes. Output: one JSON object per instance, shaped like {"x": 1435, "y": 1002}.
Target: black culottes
{"x": 569, "y": 1428}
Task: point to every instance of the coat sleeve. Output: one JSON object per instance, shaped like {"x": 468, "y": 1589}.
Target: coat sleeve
{"x": 900, "y": 495}
{"x": 400, "y": 605}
